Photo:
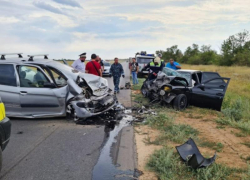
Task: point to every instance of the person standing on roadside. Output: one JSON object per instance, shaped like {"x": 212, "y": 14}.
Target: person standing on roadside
{"x": 101, "y": 63}
{"x": 173, "y": 65}
{"x": 93, "y": 67}
{"x": 79, "y": 64}
{"x": 116, "y": 71}
{"x": 134, "y": 68}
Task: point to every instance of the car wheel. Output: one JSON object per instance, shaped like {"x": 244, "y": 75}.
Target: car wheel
{"x": 144, "y": 91}
{"x": 71, "y": 113}
{"x": 1, "y": 158}
{"x": 180, "y": 102}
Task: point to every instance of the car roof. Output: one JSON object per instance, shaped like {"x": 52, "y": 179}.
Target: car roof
{"x": 26, "y": 60}
{"x": 189, "y": 71}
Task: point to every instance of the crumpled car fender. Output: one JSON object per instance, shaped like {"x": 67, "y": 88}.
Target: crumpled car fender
{"x": 74, "y": 88}
{"x": 190, "y": 154}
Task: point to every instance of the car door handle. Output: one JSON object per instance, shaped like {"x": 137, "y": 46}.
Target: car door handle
{"x": 220, "y": 94}
{"x": 23, "y": 92}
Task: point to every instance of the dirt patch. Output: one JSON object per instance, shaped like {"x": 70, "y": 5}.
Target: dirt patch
{"x": 144, "y": 150}
{"x": 233, "y": 153}
{"x": 136, "y": 92}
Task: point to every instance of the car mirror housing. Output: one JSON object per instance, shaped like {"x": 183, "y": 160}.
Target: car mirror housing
{"x": 201, "y": 86}
{"x": 49, "y": 85}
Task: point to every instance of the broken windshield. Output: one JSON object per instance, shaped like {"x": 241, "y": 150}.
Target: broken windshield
{"x": 171, "y": 72}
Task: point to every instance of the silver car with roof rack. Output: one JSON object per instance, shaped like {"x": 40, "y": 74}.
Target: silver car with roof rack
{"x": 36, "y": 87}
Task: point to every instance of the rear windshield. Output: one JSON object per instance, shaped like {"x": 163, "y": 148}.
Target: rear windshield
{"x": 144, "y": 60}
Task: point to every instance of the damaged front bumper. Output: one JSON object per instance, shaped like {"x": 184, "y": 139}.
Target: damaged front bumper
{"x": 94, "y": 107}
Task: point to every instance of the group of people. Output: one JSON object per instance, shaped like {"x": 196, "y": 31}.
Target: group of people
{"x": 154, "y": 67}
{"x": 96, "y": 67}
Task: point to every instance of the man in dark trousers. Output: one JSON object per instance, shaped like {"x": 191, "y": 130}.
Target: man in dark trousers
{"x": 93, "y": 67}
{"x": 116, "y": 71}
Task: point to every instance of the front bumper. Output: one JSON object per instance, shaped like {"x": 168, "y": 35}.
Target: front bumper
{"x": 99, "y": 107}
{"x": 5, "y": 130}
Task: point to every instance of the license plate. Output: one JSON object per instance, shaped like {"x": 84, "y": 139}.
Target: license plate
{"x": 144, "y": 71}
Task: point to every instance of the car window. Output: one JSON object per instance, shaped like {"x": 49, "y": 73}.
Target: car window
{"x": 59, "y": 78}
{"x": 214, "y": 85}
{"x": 31, "y": 77}
{"x": 211, "y": 75}
{"x": 7, "y": 75}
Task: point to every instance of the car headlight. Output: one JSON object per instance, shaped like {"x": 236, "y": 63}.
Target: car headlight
{"x": 166, "y": 88}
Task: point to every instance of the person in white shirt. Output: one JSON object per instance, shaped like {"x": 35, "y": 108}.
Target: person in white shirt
{"x": 79, "y": 64}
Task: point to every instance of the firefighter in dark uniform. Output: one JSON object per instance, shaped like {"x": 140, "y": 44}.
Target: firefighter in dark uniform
{"x": 154, "y": 67}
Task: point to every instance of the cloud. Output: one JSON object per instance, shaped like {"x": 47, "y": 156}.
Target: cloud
{"x": 8, "y": 20}
{"x": 118, "y": 28}
{"x": 69, "y": 3}
{"x": 48, "y": 7}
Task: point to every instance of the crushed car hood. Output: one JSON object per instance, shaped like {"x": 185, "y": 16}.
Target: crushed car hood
{"x": 98, "y": 85}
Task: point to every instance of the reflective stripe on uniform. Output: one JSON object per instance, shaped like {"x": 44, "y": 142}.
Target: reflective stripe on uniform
{"x": 152, "y": 64}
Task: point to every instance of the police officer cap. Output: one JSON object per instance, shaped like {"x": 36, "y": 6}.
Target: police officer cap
{"x": 157, "y": 59}
{"x": 83, "y": 55}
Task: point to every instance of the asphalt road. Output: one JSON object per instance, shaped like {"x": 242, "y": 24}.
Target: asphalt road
{"x": 44, "y": 149}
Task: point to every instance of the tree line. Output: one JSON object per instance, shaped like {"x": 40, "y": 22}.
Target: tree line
{"x": 235, "y": 50}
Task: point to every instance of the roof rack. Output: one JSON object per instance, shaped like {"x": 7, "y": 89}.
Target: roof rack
{"x": 32, "y": 56}
{"x": 4, "y": 54}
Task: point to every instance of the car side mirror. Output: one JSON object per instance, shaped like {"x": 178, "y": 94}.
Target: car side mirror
{"x": 201, "y": 86}
{"x": 49, "y": 85}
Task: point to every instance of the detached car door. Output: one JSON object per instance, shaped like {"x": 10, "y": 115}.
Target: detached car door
{"x": 210, "y": 93}
{"x": 37, "y": 95}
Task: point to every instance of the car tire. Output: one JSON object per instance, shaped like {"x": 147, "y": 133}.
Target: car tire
{"x": 1, "y": 159}
{"x": 180, "y": 102}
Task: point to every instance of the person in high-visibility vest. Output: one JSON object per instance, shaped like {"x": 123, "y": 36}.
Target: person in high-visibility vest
{"x": 154, "y": 67}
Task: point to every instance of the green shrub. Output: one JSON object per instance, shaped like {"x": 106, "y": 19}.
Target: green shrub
{"x": 235, "y": 111}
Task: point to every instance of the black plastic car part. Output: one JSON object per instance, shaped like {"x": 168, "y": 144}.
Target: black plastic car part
{"x": 190, "y": 154}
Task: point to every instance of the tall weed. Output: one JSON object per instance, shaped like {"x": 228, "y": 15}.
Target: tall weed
{"x": 234, "y": 111}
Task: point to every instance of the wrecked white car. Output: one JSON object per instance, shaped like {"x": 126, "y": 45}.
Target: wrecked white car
{"x": 36, "y": 88}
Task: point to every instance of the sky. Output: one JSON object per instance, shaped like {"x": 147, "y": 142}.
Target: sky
{"x": 117, "y": 28}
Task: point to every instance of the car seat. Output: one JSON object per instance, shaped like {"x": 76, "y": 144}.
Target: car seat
{"x": 38, "y": 78}
{"x": 24, "y": 82}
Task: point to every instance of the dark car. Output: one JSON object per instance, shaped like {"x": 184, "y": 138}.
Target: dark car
{"x": 187, "y": 87}
{"x": 5, "y": 128}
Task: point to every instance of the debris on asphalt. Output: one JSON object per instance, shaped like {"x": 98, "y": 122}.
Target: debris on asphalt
{"x": 20, "y": 132}
{"x": 127, "y": 85}
{"x": 190, "y": 154}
